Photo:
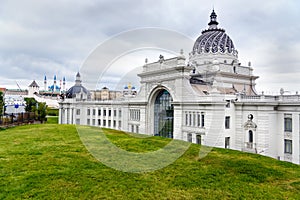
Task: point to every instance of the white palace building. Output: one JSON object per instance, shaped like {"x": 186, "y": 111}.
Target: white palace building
{"x": 209, "y": 99}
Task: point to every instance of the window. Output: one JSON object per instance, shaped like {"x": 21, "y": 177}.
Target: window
{"x": 99, "y": 122}
{"x": 202, "y": 119}
{"x": 198, "y": 139}
{"x": 104, "y": 122}
{"x": 132, "y": 128}
{"x": 227, "y": 122}
{"x": 94, "y": 122}
{"x": 109, "y": 123}
{"x": 250, "y": 136}
{"x": 190, "y": 119}
{"x": 77, "y": 121}
{"x": 77, "y": 111}
{"x": 227, "y": 142}
{"x": 288, "y": 148}
{"x": 104, "y": 112}
{"x": 189, "y": 137}
{"x": 109, "y": 113}
{"x": 186, "y": 119}
{"x": 163, "y": 114}
{"x": 137, "y": 129}
{"x": 88, "y": 121}
{"x": 88, "y": 111}
{"x": 120, "y": 113}
{"x": 99, "y": 112}
{"x": 115, "y": 123}
{"x": 94, "y": 112}
{"x": 288, "y": 122}
{"x": 115, "y": 113}
{"x": 120, "y": 124}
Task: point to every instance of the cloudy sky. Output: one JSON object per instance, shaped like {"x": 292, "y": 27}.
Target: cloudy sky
{"x": 50, "y": 38}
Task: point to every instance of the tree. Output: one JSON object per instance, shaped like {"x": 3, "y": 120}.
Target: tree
{"x": 1, "y": 103}
{"x": 42, "y": 111}
{"x": 31, "y": 104}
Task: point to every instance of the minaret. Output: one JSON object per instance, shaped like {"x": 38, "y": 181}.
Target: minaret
{"x": 64, "y": 84}
{"x": 45, "y": 83}
{"x": 54, "y": 84}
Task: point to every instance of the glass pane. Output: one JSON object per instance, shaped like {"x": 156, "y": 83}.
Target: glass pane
{"x": 163, "y": 115}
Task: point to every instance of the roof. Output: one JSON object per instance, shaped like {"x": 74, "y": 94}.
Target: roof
{"x": 34, "y": 84}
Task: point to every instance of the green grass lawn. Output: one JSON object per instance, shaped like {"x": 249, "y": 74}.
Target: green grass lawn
{"x": 49, "y": 161}
{"x": 52, "y": 120}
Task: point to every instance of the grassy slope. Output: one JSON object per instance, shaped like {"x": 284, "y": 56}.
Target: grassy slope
{"x": 49, "y": 162}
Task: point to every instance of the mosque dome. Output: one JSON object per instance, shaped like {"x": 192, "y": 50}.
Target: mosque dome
{"x": 77, "y": 89}
{"x": 214, "y": 39}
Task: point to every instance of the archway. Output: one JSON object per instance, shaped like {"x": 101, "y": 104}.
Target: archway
{"x": 163, "y": 114}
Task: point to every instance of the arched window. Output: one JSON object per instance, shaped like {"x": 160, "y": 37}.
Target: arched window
{"x": 250, "y": 136}
{"x": 163, "y": 114}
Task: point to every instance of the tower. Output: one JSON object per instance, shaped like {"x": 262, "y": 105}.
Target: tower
{"x": 54, "y": 84}
{"x": 45, "y": 83}
{"x": 64, "y": 84}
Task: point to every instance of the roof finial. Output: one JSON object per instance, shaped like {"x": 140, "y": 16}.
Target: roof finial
{"x": 213, "y": 20}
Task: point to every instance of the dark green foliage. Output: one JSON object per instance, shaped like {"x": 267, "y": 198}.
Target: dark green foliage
{"x": 52, "y": 112}
{"x": 31, "y": 104}
{"x": 39, "y": 108}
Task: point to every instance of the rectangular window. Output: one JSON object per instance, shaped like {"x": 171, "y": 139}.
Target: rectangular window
{"x": 132, "y": 128}
{"x": 99, "y": 122}
{"x": 186, "y": 119}
{"x": 94, "y": 122}
{"x": 115, "y": 113}
{"x": 99, "y": 112}
{"x": 227, "y": 142}
{"x": 288, "y": 123}
{"x": 109, "y": 123}
{"x": 137, "y": 129}
{"x": 198, "y": 139}
{"x": 109, "y": 113}
{"x": 115, "y": 123}
{"x": 227, "y": 122}
{"x": 189, "y": 137}
{"x": 104, "y": 122}
{"x": 288, "y": 146}
{"x": 88, "y": 122}
{"x": 190, "y": 119}
{"x": 120, "y": 124}
{"x": 94, "y": 112}
{"x": 120, "y": 113}
{"x": 104, "y": 112}
{"x": 202, "y": 119}
{"x": 88, "y": 111}
{"x": 77, "y": 121}
{"x": 77, "y": 111}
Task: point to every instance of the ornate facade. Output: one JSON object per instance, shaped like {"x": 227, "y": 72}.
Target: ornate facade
{"x": 208, "y": 99}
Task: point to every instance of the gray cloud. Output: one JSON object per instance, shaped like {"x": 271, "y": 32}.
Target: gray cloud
{"x": 46, "y": 37}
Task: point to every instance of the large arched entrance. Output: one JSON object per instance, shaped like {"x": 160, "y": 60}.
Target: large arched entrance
{"x": 163, "y": 114}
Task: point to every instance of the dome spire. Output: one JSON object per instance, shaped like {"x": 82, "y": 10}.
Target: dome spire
{"x": 213, "y": 20}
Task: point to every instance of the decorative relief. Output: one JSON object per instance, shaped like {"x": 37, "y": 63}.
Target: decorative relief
{"x": 250, "y": 124}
